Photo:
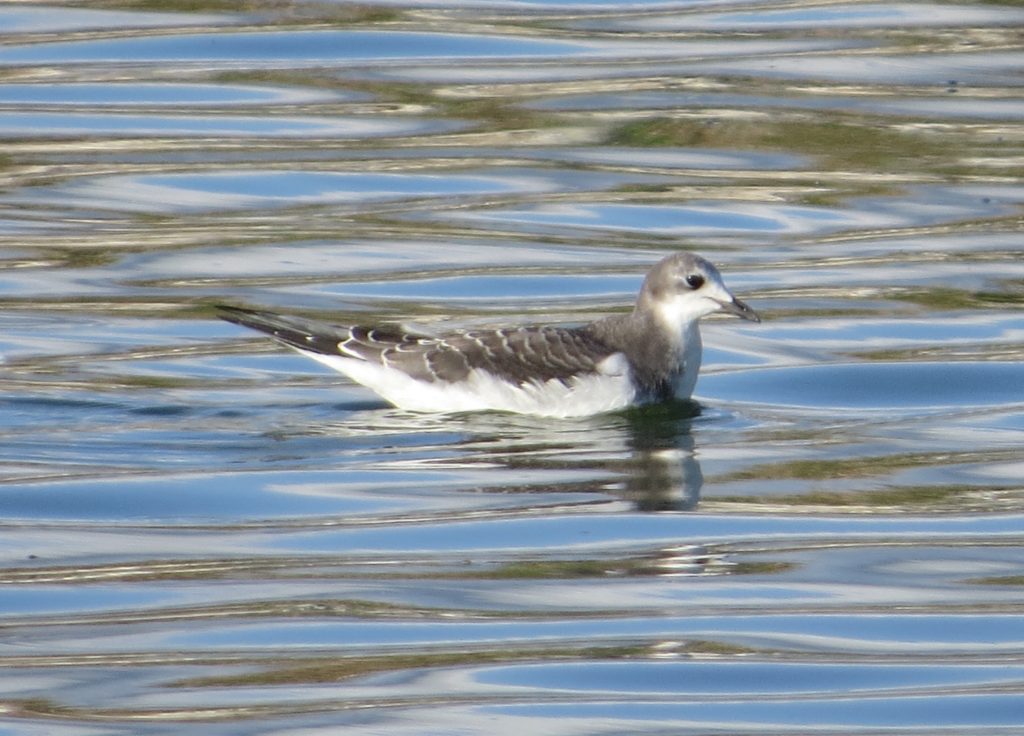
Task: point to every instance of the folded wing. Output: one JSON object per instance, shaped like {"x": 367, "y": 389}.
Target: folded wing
{"x": 520, "y": 356}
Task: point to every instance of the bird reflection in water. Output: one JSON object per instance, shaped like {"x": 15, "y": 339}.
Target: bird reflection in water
{"x": 645, "y": 457}
{"x": 664, "y": 473}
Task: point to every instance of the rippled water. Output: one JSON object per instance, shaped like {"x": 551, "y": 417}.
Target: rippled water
{"x": 201, "y": 531}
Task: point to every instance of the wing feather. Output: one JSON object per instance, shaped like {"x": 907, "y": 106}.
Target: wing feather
{"x": 521, "y": 356}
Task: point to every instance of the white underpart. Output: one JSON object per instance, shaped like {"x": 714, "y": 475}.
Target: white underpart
{"x": 691, "y": 354}
{"x": 680, "y": 318}
{"x": 608, "y": 389}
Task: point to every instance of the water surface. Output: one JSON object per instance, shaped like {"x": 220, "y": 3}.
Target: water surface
{"x": 201, "y": 530}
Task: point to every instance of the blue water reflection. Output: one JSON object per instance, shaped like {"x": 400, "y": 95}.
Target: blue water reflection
{"x": 685, "y": 158}
{"x": 939, "y": 711}
{"x": 923, "y": 205}
{"x": 676, "y": 220}
{"x": 575, "y": 534}
{"x": 844, "y": 16}
{"x": 73, "y": 124}
{"x": 57, "y": 19}
{"x": 268, "y": 47}
{"x": 169, "y": 94}
{"x": 939, "y": 638}
{"x": 749, "y": 678}
{"x": 220, "y": 190}
{"x": 888, "y": 387}
{"x": 934, "y": 71}
{"x": 356, "y": 492}
{"x": 488, "y": 287}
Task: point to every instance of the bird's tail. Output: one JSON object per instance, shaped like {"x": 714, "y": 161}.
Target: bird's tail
{"x": 297, "y": 332}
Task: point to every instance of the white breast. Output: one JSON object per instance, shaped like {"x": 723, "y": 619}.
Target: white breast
{"x": 691, "y": 352}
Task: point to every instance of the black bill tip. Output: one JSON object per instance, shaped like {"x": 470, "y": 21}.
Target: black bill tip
{"x": 741, "y": 310}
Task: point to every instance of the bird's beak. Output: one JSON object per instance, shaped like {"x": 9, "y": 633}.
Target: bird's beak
{"x": 740, "y": 309}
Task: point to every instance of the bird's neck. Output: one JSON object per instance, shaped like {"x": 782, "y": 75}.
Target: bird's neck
{"x": 665, "y": 362}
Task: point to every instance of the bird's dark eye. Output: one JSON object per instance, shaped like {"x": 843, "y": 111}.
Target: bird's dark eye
{"x": 695, "y": 281}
